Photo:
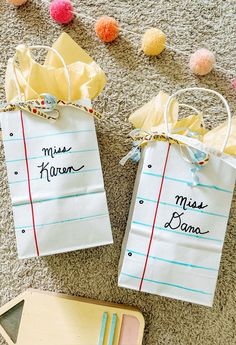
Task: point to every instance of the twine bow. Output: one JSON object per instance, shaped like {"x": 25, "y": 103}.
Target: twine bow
{"x": 46, "y": 107}
{"x": 191, "y": 155}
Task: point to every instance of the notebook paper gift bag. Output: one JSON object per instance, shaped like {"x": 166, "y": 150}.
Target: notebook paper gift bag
{"x": 51, "y": 150}
{"x": 180, "y": 205}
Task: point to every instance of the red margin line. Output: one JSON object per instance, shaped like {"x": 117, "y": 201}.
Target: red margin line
{"x": 154, "y": 220}
{"x": 29, "y": 188}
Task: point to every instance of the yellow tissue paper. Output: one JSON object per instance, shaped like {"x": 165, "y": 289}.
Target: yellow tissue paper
{"x": 193, "y": 123}
{"x": 150, "y": 118}
{"x": 152, "y": 113}
{"x": 87, "y": 78}
{"x": 216, "y": 136}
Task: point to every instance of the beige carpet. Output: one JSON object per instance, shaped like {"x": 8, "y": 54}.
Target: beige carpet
{"x": 132, "y": 80}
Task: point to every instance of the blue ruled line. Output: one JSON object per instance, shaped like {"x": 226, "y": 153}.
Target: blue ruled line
{"x": 58, "y": 154}
{"x": 51, "y": 135}
{"x": 187, "y": 209}
{"x": 38, "y": 178}
{"x": 188, "y": 182}
{"x": 62, "y": 221}
{"x": 178, "y": 232}
{"x": 55, "y": 198}
{"x": 172, "y": 261}
{"x": 168, "y": 284}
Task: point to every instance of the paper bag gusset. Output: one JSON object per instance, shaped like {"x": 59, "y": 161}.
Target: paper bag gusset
{"x": 181, "y": 201}
{"x": 52, "y": 155}
{"x": 87, "y": 78}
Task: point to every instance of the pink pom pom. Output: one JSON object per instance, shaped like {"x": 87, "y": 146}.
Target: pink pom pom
{"x": 61, "y": 11}
{"x": 202, "y": 61}
{"x": 17, "y": 2}
{"x": 234, "y": 84}
{"x": 107, "y": 29}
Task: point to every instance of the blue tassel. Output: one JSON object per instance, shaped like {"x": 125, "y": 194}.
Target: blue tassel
{"x": 134, "y": 154}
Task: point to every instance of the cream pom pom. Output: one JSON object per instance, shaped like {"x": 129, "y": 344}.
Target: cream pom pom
{"x": 153, "y": 42}
{"x": 202, "y": 61}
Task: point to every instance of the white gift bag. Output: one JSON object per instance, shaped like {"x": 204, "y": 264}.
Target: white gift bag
{"x": 56, "y": 181}
{"x": 175, "y": 231}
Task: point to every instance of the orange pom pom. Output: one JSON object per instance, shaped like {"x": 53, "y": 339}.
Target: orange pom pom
{"x": 17, "y": 2}
{"x": 107, "y": 29}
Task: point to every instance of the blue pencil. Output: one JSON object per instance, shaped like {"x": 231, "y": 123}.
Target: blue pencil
{"x": 112, "y": 331}
{"x": 103, "y": 328}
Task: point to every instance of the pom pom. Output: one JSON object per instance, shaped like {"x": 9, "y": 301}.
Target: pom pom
{"x": 234, "y": 84}
{"x": 61, "y": 11}
{"x": 17, "y": 2}
{"x": 153, "y": 42}
{"x": 107, "y": 29}
{"x": 202, "y": 61}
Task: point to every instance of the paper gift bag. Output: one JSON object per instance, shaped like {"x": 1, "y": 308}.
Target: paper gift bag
{"x": 176, "y": 226}
{"x": 54, "y": 169}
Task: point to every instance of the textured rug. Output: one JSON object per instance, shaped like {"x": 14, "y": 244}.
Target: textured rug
{"x": 132, "y": 80}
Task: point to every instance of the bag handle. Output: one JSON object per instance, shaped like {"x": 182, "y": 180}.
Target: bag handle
{"x": 62, "y": 61}
{"x": 167, "y": 108}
